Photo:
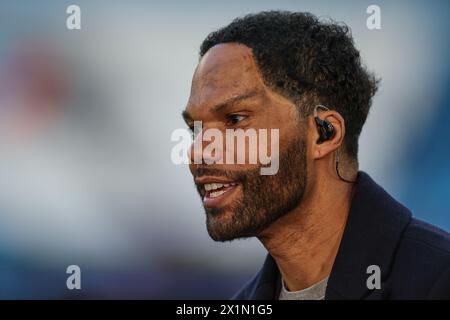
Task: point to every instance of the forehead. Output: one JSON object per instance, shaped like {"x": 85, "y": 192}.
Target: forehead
{"x": 224, "y": 71}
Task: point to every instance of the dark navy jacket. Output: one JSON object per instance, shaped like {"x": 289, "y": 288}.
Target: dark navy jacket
{"x": 413, "y": 256}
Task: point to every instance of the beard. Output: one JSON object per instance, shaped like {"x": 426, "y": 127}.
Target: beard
{"x": 264, "y": 198}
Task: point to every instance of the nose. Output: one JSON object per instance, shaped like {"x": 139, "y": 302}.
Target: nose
{"x": 196, "y": 150}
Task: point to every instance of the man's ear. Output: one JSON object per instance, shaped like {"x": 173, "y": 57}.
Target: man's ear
{"x": 322, "y": 149}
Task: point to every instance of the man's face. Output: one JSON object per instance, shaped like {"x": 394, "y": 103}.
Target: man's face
{"x": 228, "y": 92}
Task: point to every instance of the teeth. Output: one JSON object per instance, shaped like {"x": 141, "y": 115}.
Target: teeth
{"x": 214, "y": 186}
{"x": 215, "y": 194}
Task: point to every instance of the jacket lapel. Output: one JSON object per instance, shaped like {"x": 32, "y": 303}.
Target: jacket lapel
{"x": 268, "y": 281}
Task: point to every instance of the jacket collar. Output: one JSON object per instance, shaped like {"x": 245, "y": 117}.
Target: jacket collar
{"x": 374, "y": 227}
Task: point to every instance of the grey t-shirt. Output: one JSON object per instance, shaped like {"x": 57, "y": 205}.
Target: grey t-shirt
{"x": 315, "y": 292}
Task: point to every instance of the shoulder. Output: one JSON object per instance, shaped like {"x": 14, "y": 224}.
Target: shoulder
{"x": 426, "y": 240}
{"x": 422, "y": 263}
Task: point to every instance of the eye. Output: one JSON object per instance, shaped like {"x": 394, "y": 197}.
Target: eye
{"x": 235, "y": 118}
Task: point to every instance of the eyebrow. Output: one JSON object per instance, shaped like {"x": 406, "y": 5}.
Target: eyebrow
{"x": 232, "y": 101}
{"x": 228, "y": 103}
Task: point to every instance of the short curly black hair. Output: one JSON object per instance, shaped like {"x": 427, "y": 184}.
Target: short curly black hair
{"x": 300, "y": 56}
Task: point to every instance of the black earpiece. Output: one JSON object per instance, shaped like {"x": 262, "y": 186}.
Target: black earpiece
{"x": 325, "y": 128}
{"x": 326, "y": 132}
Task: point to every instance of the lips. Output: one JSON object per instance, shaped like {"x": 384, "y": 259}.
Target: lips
{"x": 216, "y": 193}
{"x": 214, "y": 190}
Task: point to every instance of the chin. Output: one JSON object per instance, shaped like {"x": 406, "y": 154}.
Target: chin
{"x": 225, "y": 226}
{"x": 220, "y": 226}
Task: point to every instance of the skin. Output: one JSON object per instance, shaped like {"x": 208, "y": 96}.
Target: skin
{"x": 304, "y": 241}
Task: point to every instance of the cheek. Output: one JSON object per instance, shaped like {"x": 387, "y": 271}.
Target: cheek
{"x": 252, "y": 151}
{"x": 275, "y": 131}
{"x": 281, "y": 136}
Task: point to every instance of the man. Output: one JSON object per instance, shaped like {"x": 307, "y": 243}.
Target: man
{"x": 330, "y": 231}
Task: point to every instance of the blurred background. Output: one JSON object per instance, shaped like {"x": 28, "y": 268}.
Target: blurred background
{"x": 85, "y": 123}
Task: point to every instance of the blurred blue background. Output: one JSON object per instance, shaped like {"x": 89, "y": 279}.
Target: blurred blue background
{"x": 85, "y": 124}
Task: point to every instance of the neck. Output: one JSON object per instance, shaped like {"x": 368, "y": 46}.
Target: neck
{"x": 304, "y": 242}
